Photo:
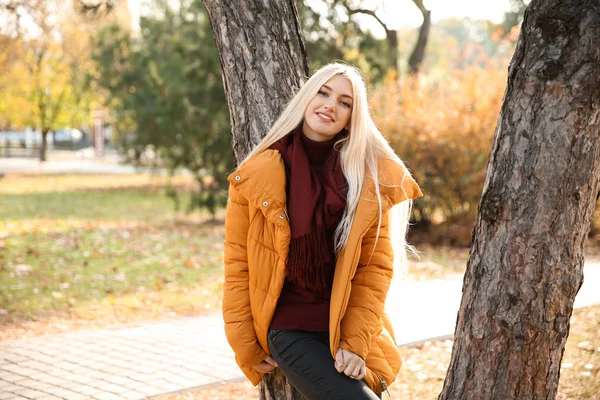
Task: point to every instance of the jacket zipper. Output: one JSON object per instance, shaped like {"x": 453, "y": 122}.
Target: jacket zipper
{"x": 286, "y": 214}
{"x": 383, "y": 384}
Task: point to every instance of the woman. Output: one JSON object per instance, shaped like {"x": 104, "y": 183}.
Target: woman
{"x": 308, "y": 255}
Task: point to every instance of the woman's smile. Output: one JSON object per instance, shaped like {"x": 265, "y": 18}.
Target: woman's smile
{"x": 325, "y": 117}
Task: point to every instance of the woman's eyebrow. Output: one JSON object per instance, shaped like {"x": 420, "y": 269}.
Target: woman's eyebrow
{"x": 343, "y": 95}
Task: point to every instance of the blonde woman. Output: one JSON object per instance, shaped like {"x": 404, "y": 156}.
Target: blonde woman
{"x": 308, "y": 254}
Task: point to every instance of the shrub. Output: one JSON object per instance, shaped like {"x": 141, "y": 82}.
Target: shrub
{"x": 442, "y": 125}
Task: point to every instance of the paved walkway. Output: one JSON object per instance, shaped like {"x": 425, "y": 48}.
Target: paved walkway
{"x": 168, "y": 356}
{"x": 74, "y": 162}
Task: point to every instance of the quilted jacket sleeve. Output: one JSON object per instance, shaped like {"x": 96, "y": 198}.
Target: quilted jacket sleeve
{"x": 237, "y": 314}
{"x": 374, "y": 272}
{"x": 368, "y": 291}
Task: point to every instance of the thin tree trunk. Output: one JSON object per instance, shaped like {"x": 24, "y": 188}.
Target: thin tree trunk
{"x": 392, "y": 40}
{"x": 44, "y": 145}
{"x": 526, "y": 260}
{"x": 418, "y": 53}
{"x": 263, "y": 60}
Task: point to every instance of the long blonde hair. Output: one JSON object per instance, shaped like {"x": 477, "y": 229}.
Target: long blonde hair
{"x": 359, "y": 153}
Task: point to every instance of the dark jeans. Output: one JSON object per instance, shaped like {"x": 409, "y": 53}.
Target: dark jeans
{"x": 305, "y": 360}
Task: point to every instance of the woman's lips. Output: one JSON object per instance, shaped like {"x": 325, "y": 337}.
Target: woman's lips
{"x": 324, "y": 118}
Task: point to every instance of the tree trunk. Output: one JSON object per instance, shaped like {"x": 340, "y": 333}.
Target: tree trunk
{"x": 392, "y": 41}
{"x": 44, "y": 145}
{"x": 264, "y": 62}
{"x": 418, "y": 53}
{"x": 526, "y": 260}
{"x": 275, "y": 386}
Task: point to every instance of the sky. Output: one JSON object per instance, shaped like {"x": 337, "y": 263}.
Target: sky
{"x": 404, "y": 12}
{"x": 397, "y": 13}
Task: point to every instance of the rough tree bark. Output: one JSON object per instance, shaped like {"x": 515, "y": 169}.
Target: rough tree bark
{"x": 263, "y": 60}
{"x": 526, "y": 260}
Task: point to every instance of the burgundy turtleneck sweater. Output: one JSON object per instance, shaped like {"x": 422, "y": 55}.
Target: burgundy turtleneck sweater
{"x": 298, "y": 307}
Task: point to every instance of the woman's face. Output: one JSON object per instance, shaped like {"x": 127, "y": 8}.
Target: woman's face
{"x": 330, "y": 110}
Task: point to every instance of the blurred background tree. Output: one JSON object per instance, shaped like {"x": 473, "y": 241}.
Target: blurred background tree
{"x": 166, "y": 94}
{"x": 46, "y": 67}
{"x": 513, "y": 18}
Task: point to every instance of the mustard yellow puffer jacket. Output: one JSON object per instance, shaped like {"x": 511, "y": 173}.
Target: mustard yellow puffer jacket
{"x": 257, "y": 238}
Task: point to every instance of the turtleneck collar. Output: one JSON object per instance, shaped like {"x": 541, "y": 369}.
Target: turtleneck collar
{"x": 317, "y": 152}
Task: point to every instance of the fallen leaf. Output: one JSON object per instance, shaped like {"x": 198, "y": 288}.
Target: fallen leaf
{"x": 22, "y": 269}
{"x": 32, "y": 251}
{"x": 191, "y": 263}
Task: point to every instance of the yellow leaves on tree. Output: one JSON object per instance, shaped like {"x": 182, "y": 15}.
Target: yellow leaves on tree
{"x": 44, "y": 79}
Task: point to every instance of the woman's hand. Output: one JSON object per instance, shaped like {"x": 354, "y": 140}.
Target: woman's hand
{"x": 265, "y": 366}
{"x": 350, "y": 364}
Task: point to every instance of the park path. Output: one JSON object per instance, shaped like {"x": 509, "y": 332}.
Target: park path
{"x": 168, "y": 356}
{"x": 74, "y": 162}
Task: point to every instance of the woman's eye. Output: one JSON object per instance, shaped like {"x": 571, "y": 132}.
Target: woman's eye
{"x": 322, "y": 93}
{"x": 346, "y": 104}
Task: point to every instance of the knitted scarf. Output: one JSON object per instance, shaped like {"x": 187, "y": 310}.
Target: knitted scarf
{"x": 316, "y": 198}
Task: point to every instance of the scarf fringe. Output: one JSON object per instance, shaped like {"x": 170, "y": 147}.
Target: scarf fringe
{"x": 308, "y": 259}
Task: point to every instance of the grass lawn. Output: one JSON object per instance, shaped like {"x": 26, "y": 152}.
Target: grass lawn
{"x": 424, "y": 369}
{"x": 81, "y": 250}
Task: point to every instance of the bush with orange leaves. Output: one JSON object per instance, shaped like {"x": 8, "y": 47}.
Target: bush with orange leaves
{"x": 442, "y": 126}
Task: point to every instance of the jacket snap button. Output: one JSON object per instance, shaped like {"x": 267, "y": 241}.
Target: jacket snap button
{"x": 281, "y": 216}
{"x": 238, "y": 178}
{"x": 265, "y": 203}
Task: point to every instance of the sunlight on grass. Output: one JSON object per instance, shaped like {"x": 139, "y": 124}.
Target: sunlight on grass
{"x": 437, "y": 262}
{"x": 23, "y": 184}
{"x": 90, "y": 247}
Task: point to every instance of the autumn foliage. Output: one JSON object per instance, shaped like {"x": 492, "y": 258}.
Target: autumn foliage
{"x": 442, "y": 126}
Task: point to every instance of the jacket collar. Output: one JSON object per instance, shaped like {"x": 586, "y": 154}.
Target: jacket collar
{"x": 262, "y": 180}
